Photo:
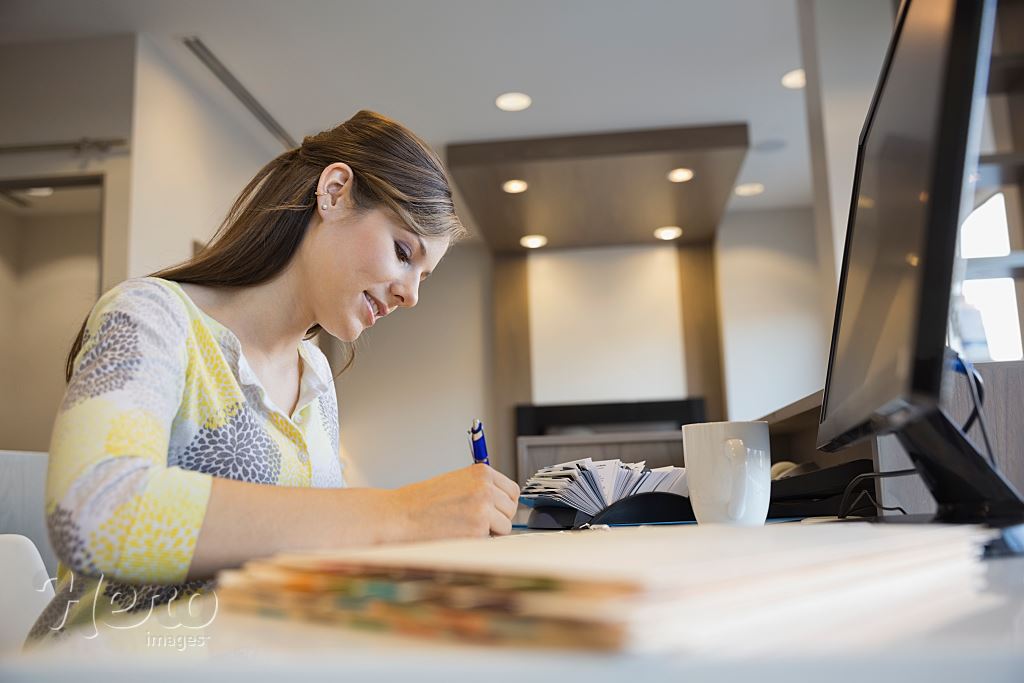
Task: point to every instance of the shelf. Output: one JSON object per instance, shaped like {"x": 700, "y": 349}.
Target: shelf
{"x": 1006, "y": 74}
{"x": 995, "y": 267}
{"x": 995, "y": 170}
{"x": 797, "y": 416}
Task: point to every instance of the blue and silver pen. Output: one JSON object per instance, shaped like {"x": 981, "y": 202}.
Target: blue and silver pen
{"x": 478, "y": 443}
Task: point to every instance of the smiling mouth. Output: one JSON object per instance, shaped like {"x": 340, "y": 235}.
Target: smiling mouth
{"x": 371, "y": 304}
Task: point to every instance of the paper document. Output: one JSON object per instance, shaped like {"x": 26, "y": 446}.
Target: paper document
{"x": 638, "y": 588}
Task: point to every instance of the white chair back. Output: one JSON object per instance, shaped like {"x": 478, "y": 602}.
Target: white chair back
{"x": 22, "y": 500}
{"x": 25, "y": 590}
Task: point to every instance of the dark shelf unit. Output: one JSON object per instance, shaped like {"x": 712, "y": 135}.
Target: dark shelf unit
{"x": 996, "y": 170}
{"x": 1006, "y": 74}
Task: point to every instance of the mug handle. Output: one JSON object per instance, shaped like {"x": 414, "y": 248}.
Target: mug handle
{"x": 736, "y": 452}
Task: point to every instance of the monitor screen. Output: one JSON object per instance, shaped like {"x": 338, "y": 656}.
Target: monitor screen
{"x": 875, "y": 346}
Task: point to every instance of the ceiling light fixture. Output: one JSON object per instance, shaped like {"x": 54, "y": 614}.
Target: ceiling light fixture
{"x": 533, "y": 241}
{"x": 39, "y": 191}
{"x": 794, "y": 80}
{"x": 514, "y": 186}
{"x": 513, "y": 101}
{"x": 669, "y": 232}
{"x": 680, "y": 175}
{"x": 749, "y": 189}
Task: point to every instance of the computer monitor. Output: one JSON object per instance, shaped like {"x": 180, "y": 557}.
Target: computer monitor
{"x": 917, "y": 149}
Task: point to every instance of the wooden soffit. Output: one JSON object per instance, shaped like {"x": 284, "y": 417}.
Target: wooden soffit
{"x": 603, "y": 189}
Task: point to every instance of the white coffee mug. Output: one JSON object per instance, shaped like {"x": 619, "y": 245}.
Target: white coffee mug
{"x": 728, "y": 469}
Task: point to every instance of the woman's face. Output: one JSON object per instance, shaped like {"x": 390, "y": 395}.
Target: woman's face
{"x": 364, "y": 266}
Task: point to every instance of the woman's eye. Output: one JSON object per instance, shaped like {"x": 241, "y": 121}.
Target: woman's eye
{"x": 403, "y": 255}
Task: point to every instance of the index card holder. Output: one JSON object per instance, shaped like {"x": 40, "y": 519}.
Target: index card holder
{"x": 643, "y": 508}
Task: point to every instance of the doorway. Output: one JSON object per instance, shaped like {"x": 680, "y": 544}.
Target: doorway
{"x": 50, "y": 270}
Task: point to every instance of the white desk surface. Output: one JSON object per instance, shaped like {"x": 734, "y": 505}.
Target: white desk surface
{"x": 958, "y": 633}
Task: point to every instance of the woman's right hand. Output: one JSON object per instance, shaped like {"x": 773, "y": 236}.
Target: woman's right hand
{"x": 473, "y": 501}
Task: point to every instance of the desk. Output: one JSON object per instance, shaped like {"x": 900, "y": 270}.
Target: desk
{"x": 952, "y": 633}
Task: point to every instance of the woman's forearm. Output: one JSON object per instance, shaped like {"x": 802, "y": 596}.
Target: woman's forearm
{"x": 245, "y": 520}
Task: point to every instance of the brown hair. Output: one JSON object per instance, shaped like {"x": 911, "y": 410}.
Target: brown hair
{"x": 393, "y": 169}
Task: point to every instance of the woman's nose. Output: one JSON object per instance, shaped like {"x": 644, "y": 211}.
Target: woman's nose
{"x": 406, "y": 293}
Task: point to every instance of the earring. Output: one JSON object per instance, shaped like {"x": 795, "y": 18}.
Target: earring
{"x": 324, "y": 206}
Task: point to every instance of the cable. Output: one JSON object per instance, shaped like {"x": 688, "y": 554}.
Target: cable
{"x": 976, "y": 402}
{"x": 844, "y": 511}
{"x": 853, "y": 510}
{"x": 959, "y": 365}
{"x": 966, "y": 427}
{"x": 875, "y": 503}
{"x": 978, "y": 398}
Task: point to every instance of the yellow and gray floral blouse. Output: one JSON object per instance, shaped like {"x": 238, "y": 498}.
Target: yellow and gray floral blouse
{"x": 161, "y": 401}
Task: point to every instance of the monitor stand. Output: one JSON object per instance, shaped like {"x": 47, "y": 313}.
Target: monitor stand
{"x": 965, "y": 485}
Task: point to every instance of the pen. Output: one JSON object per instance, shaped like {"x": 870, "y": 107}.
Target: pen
{"x": 478, "y": 443}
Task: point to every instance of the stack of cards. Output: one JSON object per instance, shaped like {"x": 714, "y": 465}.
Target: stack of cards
{"x": 590, "y": 486}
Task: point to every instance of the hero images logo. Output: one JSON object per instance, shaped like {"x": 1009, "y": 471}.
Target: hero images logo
{"x": 177, "y": 612}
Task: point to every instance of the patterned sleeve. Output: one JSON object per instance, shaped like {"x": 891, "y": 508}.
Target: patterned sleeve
{"x": 327, "y": 467}
{"x": 113, "y": 505}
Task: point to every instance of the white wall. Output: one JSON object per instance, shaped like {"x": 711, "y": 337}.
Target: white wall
{"x": 420, "y": 377}
{"x": 189, "y": 155}
{"x": 68, "y": 90}
{"x": 55, "y": 285}
{"x": 774, "y": 345}
{"x": 851, "y": 38}
{"x": 605, "y": 325}
{"x": 190, "y": 158}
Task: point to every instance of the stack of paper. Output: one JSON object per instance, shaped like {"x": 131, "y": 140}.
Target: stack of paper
{"x": 590, "y": 486}
{"x": 690, "y": 587}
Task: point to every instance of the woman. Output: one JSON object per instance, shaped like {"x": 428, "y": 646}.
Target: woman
{"x": 192, "y": 390}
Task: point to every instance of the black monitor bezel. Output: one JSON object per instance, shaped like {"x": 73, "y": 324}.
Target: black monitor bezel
{"x": 942, "y": 221}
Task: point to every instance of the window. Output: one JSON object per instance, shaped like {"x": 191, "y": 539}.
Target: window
{"x": 986, "y": 234}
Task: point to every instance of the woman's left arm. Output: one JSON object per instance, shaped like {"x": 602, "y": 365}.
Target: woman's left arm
{"x": 114, "y": 507}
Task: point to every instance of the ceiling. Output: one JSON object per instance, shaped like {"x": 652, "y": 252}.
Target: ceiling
{"x": 64, "y": 200}
{"x": 590, "y": 65}
{"x": 605, "y": 189}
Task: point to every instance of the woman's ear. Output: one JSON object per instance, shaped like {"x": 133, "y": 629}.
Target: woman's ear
{"x": 334, "y": 187}
{"x": 334, "y": 190}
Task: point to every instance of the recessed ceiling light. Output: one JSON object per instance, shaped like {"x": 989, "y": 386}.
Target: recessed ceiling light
{"x": 680, "y": 175}
{"x": 669, "y": 232}
{"x": 39, "y": 191}
{"x": 513, "y": 101}
{"x": 749, "y": 189}
{"x": 533, "y": 241}
{"x": 514, "y": 186}
{"x": 795, "y": 79}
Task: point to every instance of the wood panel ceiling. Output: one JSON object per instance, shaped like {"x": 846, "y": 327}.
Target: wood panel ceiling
{"x": 601, "y": 189}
